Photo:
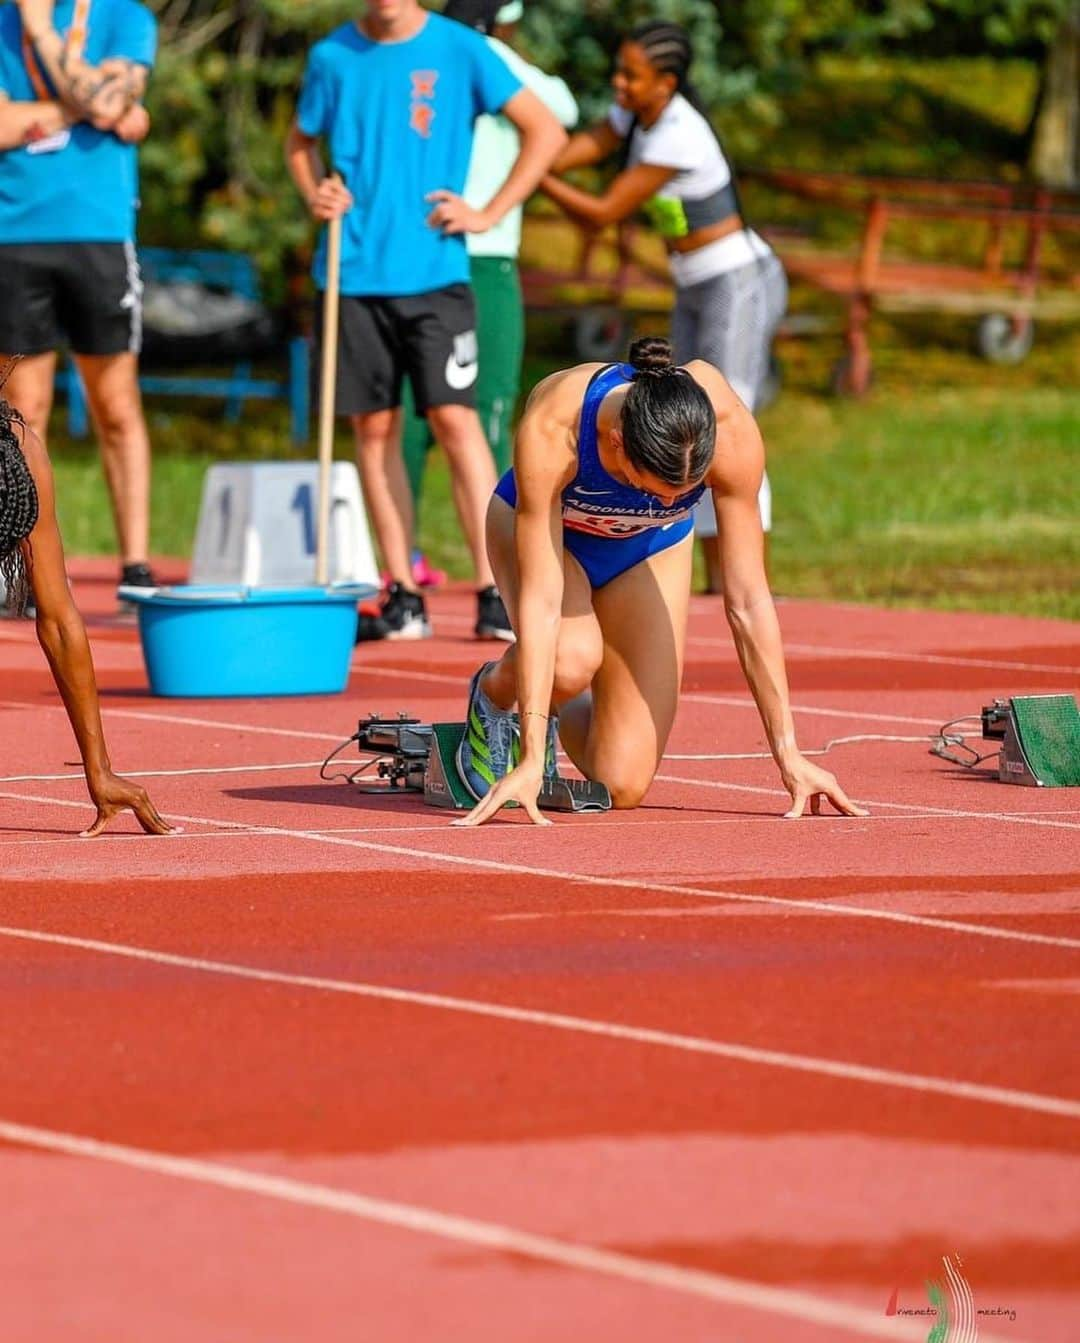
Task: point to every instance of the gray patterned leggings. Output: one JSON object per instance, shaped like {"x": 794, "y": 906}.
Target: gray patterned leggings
{"x": 731, "y": 320}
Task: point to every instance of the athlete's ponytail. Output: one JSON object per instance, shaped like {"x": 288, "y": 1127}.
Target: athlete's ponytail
{"x": 668, "y": 423}
{"x": 18, "y": 512}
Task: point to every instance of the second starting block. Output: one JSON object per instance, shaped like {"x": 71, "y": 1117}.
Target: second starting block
{"x": 414, "y": 757}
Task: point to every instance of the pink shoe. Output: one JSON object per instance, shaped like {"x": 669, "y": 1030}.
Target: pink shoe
{"x": 424, "y": 576}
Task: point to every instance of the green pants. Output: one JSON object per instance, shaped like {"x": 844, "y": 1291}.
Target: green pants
{"x": 500, "y": 335}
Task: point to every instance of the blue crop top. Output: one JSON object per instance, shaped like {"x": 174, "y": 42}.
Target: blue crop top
{"x": 598, "y": 504}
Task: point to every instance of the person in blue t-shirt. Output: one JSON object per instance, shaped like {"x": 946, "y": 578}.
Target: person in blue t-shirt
{"x": 72, "y": 77}
{"x": 394, "y": 95}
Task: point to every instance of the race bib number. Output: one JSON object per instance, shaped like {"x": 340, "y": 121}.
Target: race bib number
{"x": 617, "y": 526}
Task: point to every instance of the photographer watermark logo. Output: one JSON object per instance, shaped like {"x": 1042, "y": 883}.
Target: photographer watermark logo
{"x": 951, "y": 1306}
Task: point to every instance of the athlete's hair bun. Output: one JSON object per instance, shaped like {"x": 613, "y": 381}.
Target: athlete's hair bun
{"x": 652, "y": 356}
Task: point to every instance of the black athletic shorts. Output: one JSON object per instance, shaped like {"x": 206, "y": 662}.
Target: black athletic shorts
{"x": 429, "y": 338}
{"x": 86, "y": 295}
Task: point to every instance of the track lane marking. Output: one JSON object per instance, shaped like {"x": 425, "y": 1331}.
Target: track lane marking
{"x": 1013, "y": 818}
{"x": 1008, "y": 1097}
{"x": 80, "y": 777}
{"x": 622, "y": 883}
{"x": 831, "y": 650}
{"x": 495, "y": 1237}
{"x": 567, "y": 822}
{"x": 187, "y": 722}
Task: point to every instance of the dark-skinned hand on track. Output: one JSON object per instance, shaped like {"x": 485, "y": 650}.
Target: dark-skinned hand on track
{"x": 32, "y": 566}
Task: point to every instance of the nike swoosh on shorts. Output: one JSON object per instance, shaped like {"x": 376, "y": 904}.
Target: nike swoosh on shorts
{"x": 460, "y": 376}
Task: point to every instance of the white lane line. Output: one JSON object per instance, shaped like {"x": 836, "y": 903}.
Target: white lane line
{"x": 873, "y": 654}
{"x": 491, "y": 1236}
{"x": 690, "y": 696}
{"x": 1032, "y": 1102}
{"x": 566, "y": 822}
{"x": 166, "y": 773}
{"x": 1013, "y": 818}
{"x": 882, "y": 655}
{"x": 190, "y": 722}
{"x": 745, "y": 702}
{"x": 438, "y": 678}
{"x": 620, "y": 883}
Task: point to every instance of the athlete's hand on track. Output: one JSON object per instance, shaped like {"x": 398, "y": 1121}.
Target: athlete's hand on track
{"x": 453, "y": 215}
{"x": 520, "y": 785}
{"x": 807, "y": 782}
{"x": 332, "y": 199}
{"x": 112, "y": 794}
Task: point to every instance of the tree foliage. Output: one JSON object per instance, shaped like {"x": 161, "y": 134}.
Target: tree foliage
{"x": 225, "y": 87}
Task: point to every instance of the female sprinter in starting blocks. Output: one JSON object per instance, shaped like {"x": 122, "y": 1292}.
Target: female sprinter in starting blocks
{"x": 590, "y": 536}
{"x": 32, "y": 562}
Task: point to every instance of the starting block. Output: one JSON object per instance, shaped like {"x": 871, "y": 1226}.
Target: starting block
{"x": 1040, "y": 739}
{"x": 415, "y": 757}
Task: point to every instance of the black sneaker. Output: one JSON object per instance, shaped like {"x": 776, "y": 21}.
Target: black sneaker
{"x": 403, "y": 615}
{"x": 492, "y": 622}
{"x": 135, "y": 576}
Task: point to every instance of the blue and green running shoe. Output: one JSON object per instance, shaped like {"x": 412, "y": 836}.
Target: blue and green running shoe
{"x": 488, "y": 745}
{"x": 551, "y": 748}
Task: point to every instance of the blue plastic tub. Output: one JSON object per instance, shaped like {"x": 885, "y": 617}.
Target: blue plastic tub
{"x": 208, "y": 642}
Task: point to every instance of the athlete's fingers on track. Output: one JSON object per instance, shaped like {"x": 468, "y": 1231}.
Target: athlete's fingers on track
{"x": 836, "y": 796}
{"x": 145, "y": 813}
{"x": 532, "y": 807}
{"x": 150, "y": 820}
{"x": 843, "y": 803}
{"x": 798, "y": 806}
{"x": 100, "y": 822}
{"x": 478, "y": 815}
{"x": 498, "y": 798}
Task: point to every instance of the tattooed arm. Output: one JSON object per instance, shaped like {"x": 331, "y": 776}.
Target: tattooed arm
{"x": 100, "y": 94}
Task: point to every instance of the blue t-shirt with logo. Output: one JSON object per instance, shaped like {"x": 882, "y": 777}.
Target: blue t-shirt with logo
{"x": 398, "y": 117}
{"x": 87, "y": 189}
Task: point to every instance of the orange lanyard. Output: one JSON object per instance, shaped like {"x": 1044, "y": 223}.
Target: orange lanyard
{"x": 75, "y": 45}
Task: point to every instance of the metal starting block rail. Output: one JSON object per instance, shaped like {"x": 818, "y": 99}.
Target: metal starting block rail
{"x": 409, "y": 756}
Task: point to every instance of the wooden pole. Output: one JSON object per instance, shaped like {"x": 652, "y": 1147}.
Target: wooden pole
{"x": 327, "y": 389}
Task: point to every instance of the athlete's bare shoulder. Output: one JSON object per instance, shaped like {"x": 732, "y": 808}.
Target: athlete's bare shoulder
{"x": 740, "y": 454}
{"x": 560, "y": 394}
{"x": 708, "y": 376}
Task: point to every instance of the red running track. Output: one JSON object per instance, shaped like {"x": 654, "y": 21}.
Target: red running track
{"x": 322, "y": 1068}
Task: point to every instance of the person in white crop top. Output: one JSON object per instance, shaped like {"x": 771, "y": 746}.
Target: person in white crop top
{"x": 730, "y": 287}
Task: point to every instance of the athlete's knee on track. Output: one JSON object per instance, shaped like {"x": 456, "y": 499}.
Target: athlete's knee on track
{"x": 627, "y": 789}
{"x": 626, "y": 780}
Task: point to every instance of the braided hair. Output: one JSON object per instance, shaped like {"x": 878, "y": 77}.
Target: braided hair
{"x": 18, "y": 512}
{"x": 668, "y": 422}
{"x": 667, "y": 45}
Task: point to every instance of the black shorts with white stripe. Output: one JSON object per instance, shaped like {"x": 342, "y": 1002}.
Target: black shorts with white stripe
{"x": 85, "y": 295}
{"x": 429, "y": 338}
